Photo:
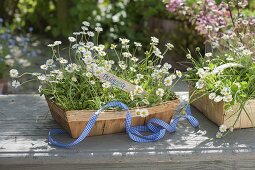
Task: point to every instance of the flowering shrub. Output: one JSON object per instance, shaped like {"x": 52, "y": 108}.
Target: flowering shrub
{"x": 73, "y": 82}
{"x": 118, "y": 17}
{"x": 14, "y": 50}
{"x": 216, "y": 19}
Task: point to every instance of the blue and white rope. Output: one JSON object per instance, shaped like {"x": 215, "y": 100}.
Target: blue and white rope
{"x": 156, "y": 127}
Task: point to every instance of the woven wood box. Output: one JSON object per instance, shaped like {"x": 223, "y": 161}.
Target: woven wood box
{"x": 216, "y": 113}
{"x": 108, "y": 122}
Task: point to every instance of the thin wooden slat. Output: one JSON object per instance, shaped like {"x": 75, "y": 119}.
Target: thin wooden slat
{"x": 216, "y": 113}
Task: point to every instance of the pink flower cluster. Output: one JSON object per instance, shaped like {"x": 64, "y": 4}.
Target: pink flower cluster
{"x": 207, "y": 16}
{"x": 174, "y": 5}
{"x": 224, "y": 25}
{"x": 211, "y": 18}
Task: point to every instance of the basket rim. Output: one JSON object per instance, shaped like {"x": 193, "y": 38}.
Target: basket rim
{"x": 176, "y": 100}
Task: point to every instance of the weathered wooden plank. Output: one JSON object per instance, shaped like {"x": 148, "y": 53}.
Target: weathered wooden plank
{"x": 181, "y": 165}
{"x": 23, "y": 141}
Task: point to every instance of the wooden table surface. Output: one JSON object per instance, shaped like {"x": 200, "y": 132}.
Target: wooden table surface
{"x": 25, "y": 121}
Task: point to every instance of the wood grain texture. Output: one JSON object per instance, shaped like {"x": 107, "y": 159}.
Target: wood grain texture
{"x": 108, "y": 122}
{"x": 216, "y": 112}
{"x": 25, "y": 122}
{"x": 3, "y": 86}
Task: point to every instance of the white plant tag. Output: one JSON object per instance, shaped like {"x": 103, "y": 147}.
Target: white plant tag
{"x": 116, "y": 81}
{"x": 224, "y": 66}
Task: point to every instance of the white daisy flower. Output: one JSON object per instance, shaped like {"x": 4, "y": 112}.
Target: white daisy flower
{"x": 98, "y": 29}
{"x": 131, "y": 96}
{"x": 142, "y": 112}
{"x": 223, "y": 128}
{"x": 91, "y": 34}
{"x": 230, "y": 59}
{"x": 87, "y": 54}
{"x": 217, "y": 99}
{"x": 92, "y": 82}
{"x": 71, "y": 39}
{"x": 89, "y": 74}
{"x": 49, "y": 62}
{"x": 137, "y": 81}
{"x": 14, "y": 73}
{"x": 108, "y": 66}
{"x": 88, "y": 60}
{"x": 167, "y": 66}
{"x": 173, "y": 76}
{"x": 188, "y": 56}
{"x": 160, "y": 92}
{"x": 86, "y": 23}
{"x": 71, "y": 68}
{"x": 227, "y": 98}
{"x": 225, "y": 91}
{"x": 51, "y": 45}
{"x": 15, "y": 83}
{"x": 123, "y": 66}
{"x": 157, "y": 52}
{"x": 41, "y": 77}
{"x": 98, "y": 70}
{"x": 138, "y": 112}
{"x": 74, "y": 79}
{"x": 189, "y": 69}
{"x": 154, "y": 41}
{"x": 138, "y": 90}
{"x": 202, "y": 73}
{"x": 127, "y": 54}
{"x": 124, "y": 41}
{"x": 106, "y": 85}
{"x": 60, "y": 76}
{"x": 113, "y": 46}
{"x": 132, "y": 69}
{"x": 102, "y": 53}
{"x": 76, "y": 33}
{"x": 208, "y": 54}
{"x": 63, "y": 61}
{"x": 40, "y": 89}
{"x": 8, "y": 56}
{"x": 137, "y": 44}
{"x": 179, "y": 73}
{"x": 140, "y": 76}
{"x": 84, "y": 28}
{"x": 247, "y": 52}
{"x": 199, "y": 84}
{"x": 134, "y": 59}
{"x": 169, "y": 46}
{"x": 10, "y": 62}
{"x": 81, "y": 49}
{"x": 44, "y": 67}
{"x": 218, "y": 135}
{"x": 212, "y": 96}
{"x": 57, "y": 42}
{"x": 168, "y": 81}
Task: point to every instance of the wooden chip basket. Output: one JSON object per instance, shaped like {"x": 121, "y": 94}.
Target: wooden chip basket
{"x": 108, "y": 122}
{"x": 217, "y": 114}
